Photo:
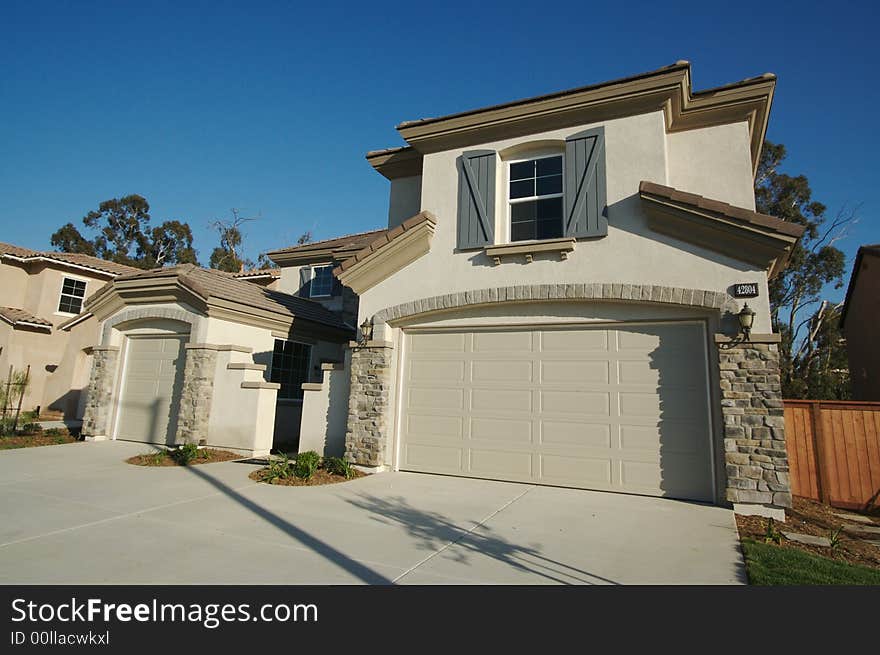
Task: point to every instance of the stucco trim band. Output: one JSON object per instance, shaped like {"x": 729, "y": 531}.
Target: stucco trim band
{"x": 717, "y": 300}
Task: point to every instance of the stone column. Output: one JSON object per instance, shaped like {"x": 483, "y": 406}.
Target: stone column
{"x": 754, "y": 425}
{"x": 99, "y": 394}
{"x": 196, "y": 393}
{"x": 369, "y": 403}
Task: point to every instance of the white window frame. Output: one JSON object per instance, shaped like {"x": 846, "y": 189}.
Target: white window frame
{"x": 61, "y": 294}
{"x": 508, "y": 201}
{"x": 311, "y": 347}
{"x": 313, "y": 276}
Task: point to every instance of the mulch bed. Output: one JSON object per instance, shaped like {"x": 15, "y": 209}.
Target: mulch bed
{"x": 37, "y": 439}
{"x": 814, "y": 518}
{"x": 320, "y": 477}
{"x": 163, "y": 458}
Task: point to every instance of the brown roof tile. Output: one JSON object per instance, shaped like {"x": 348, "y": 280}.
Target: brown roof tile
{"x": 386, "y": 237}
{"x": 209, "y": 283}
{"x": 725, "y": 209}
{"x": 344, "y": 243}
{"x": 15, "y": 316}
{"x": 75, "y": 259}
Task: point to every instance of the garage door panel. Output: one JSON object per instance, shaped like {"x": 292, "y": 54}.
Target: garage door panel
{"x": 431, "y": 458}
{"x": 621, "y": 409}
{"x": 499, "y": 429}
{"x": 426, "y": 425}
{"x": 437, "y": 371}
{"x": 509, "y": 372}
{"x": 433, "y": 343}
{"x": 503, "y": 400}
{"x": 592, "y": 472}
{"x": 576, "y": 402}
{"x": 577, "y": 434}
{"x": 426, "y": 398}
{"x": 502, "y": 463}
{"x": 568, "y": 341}
{"x": 502, "y": 341}
{"x": 574, "y": 372}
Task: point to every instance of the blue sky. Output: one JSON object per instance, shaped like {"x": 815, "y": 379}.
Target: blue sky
{"x": 269, "y": 107}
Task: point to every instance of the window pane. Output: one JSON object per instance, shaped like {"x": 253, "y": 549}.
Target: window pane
{"x": 322, "y": 283}
{"x": 551, "y": 229}
{"x": 67, "y": 286}
{"x": 79, "y": 287}
{"x": 549, "y": 208}
{"x": 522, "y": 189}
{"x": 549, "y": 166}
{"x": 522, "y": 231}
{"x": 290, "y": 367}
{"x": 522, "y": 211}
{"x": 522, "y": 170}
{"x": 549, "y": 185}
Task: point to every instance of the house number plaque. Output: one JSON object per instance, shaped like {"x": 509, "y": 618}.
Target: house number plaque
{"x": 745, "y": 290}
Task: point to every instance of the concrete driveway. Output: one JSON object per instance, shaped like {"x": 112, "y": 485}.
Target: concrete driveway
{"x": 77, "y": 514}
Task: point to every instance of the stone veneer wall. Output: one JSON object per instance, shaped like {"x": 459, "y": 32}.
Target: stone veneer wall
{"x": 369, "y": 401}
{"x": 196, "y": 393}
{"x": 754, "y": 423}
{"x": 99, "y": 393}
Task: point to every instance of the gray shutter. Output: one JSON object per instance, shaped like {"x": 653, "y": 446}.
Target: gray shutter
{"x": 585, "y": 184}
{"x": 476, "y": 198}
{"x": 305, "y": 281}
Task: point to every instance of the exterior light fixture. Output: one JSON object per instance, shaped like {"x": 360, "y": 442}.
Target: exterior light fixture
{"x": 746, "y": 319}
{"x": 366, "y": 331}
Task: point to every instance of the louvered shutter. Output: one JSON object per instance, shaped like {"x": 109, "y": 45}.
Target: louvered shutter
{"x": 584, "y": 207}
{"x": 476, "y": 198}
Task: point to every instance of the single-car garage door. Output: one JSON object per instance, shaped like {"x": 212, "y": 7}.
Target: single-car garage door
{"x": 620, "y": 409}
{"x": 153, "y": 374}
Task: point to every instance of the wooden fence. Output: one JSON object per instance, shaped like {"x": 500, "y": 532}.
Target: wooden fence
{"x": 834, "y": 451}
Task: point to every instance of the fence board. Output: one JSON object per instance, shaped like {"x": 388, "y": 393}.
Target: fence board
{"x": 834, "y": 451}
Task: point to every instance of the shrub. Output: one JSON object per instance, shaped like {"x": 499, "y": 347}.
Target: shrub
{"x": 306, "y": 464}
{"x": 54, "y": 432}
{"x": 338, "y": 466}
{"x": 30, "y": 428}
{"x": 278, "y": 469}
{"x": 186, "y": 453}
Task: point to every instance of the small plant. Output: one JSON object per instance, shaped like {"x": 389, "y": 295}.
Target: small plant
{"x": 306, "y": 464}
{"x": 54, "y": 432}
{"x": 30, "y": 428}
{"x": 278, "y": 469}
{"x": 772, "y": 536}
{"x": 157, "y": 457}
{"x": 338, "y": 466}
{"x": 834, "y": 538}
{"x": 185, "y": 454}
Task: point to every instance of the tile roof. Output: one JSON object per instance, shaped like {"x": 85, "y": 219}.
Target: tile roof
{"x": 15, "y": 316}
{"x": 75, "y": 259}
{"x": 274, "y": 272}
{"x": 347, "y": 243}
{"x": 737, "y": 214}
{"x": 385, "y": 237}
{"x": 209, "y": 283}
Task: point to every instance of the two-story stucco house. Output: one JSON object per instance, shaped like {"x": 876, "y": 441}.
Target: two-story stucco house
{"x": 554, "y": 300}
{"x": 40, "y": 292}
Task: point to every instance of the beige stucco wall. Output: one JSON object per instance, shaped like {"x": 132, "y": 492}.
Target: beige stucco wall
{"x": 715, "y": 162}
{"x": 325, "y": 414}
{"x": 631, "y": 253}
{"x": 58, "y": 367}
{"x": 404, "y": 199}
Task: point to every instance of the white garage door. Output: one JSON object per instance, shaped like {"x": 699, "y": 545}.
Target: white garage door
{"x": 620, "y": 409}
{"x": 151, "y": 389}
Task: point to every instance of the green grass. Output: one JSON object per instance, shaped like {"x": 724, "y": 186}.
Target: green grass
{"x": 772, "y": 565}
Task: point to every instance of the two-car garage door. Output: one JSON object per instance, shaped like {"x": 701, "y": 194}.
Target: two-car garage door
{"x": 620, "y": 408}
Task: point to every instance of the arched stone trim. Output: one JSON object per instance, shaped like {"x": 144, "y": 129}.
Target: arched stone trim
{"x": 648, "y": 293}
{"x": 141, "y": 313}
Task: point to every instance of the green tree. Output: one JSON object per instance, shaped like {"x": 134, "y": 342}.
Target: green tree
{"x": 796, "y": 293}
{"x": 228, "y": 256}
{"x": 121, "y": 233}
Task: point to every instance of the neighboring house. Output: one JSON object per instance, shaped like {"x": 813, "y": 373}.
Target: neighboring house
{"x": 859, "y": 321}
{"x": 39, "y": 293}
{"x": 554, "y": 300}
{"x": 187, "y": 354}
